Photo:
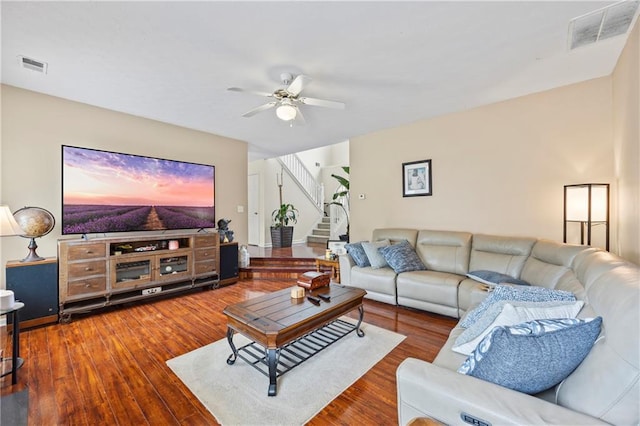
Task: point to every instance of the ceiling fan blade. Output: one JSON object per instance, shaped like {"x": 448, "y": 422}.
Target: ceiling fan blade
{"x": 299, "y": 117}
{"x": 322, "y": 103}
{"x": 298, "y": 84}
{"x": 237, "y": 89}
{"x": 261, "y": 108}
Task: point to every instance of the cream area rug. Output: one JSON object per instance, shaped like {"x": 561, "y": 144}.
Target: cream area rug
{"x": 237, "y": 394}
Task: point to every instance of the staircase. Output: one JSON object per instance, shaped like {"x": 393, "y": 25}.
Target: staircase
{"x": 320, "y": 235}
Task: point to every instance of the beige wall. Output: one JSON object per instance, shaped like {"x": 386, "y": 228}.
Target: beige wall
{"x": 496, "y": 169}
{"x": 34, "y": 126}
{"x": 626, "y": 139}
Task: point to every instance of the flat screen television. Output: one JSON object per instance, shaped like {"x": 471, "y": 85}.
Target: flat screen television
{"x": 106, "y": 191}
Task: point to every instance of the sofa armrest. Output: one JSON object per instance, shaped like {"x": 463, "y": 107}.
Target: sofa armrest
{"x": 427, "y": 390}
{"x": 346, "y": 263}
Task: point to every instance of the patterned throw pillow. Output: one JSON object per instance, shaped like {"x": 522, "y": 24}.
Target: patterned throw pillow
{"x": 358, "y": 255}
{"x": 402, "y": 257}
{"x": 520, "y": 294}
{"x": 533, "y": 356}
{"x": 492, "y": 278}
{"x": 375, "y": 257}
{"x": 512, "y": 313}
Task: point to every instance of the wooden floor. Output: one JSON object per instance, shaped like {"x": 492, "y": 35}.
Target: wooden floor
{"x": 109, "y": 367}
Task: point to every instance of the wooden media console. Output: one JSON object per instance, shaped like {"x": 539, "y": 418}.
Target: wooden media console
{"x": 106, "y": 271}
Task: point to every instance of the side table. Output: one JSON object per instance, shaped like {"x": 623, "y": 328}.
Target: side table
{"x": 16, "y": 361}
{"x": 333, "y": 264}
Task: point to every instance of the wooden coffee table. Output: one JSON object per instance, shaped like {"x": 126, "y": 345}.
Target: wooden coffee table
{"x": 286, "y": 331}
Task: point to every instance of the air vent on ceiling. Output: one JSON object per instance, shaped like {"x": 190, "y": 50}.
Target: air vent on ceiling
{"x": 32, "y": 64}
{"x": 601, "y": 24}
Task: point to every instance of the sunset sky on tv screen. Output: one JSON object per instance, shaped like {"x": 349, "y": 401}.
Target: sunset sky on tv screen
{"x": 99, "y": 177}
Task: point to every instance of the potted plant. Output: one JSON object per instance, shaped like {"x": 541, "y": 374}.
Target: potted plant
{"x": 341, "y": 198}
{"x": 281, "y": 232}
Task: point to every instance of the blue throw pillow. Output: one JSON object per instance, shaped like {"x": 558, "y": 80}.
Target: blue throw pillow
{"x": 493, "y": 278}
{"x": 358, "y": 255}
{"x": 402, "y": 257}
{"x": 519, "y": 294}
{"x": 532, "y": 356}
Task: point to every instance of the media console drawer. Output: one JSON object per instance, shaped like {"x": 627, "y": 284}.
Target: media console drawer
{"x": 87, "y": 251}
{"x": 85, "y": 269}
{"x": 87, "y": 286}
{"x": 205, "y": 267}
{"x": 206, "y": 240}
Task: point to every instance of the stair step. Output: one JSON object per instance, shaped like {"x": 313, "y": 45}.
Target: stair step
{"x": 321, "y": 232}
{"x": 277, "y": 268}
{"x": 324, "y": 225}
{"x": 326, "y": 219}
{"x": 317, "y": 239}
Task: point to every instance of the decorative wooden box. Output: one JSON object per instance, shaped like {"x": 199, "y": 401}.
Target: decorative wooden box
{"x": 312, "y": 279}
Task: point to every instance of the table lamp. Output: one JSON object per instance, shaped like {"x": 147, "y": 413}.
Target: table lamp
{"x": 8, "y": 225}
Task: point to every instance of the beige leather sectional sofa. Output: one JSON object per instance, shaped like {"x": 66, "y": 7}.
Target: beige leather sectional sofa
{"x": 605, "y": 388}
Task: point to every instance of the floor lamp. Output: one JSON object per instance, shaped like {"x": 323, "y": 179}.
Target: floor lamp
{"x": 588, "y": 205}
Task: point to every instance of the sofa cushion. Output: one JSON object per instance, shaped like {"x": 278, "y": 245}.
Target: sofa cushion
{"x": 445, "y": 251}
{"x": 609, "y": 393}
{"x": 548, "y": 263}
{"x": 379, "y": 283}
{"x": 395, "y": 235}
{"x": 402, "y": 257}
{"x": 356, "y": 251}
{"x": 500, "y": 253}
{"x": 376, "y": 259}
{"x": 506, "y": 312}
{"x": 493, "y": 278}
{"x": 519, "y": 293}
{"x": 533, "y": 356}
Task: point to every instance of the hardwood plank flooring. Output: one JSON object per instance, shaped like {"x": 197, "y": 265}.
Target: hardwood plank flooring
{"x": 109, "y": 367}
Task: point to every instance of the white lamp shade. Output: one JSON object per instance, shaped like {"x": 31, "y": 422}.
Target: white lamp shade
{"x": 286, "y": 112}
{"x": 578, "y": 203}
{"x": 8, "y": 225}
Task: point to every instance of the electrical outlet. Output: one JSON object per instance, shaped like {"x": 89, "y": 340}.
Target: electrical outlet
{"x": 362, "y": 196}
{"x": 240, "y": 209}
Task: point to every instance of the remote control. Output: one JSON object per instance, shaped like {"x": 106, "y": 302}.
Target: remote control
{"x": 324, "y": 297}
{"x": 313, "y": 300}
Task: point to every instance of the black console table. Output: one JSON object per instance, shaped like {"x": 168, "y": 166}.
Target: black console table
{"x": 16, "y": 361}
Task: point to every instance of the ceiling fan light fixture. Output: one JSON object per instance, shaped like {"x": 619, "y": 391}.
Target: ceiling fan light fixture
{"x": 286, "y": 112}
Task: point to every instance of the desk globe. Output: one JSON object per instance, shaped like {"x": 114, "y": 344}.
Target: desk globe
{"x": 35, "y": 222}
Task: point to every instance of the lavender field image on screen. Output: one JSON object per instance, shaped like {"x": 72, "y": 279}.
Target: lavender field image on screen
{"x": 112, "y": 192}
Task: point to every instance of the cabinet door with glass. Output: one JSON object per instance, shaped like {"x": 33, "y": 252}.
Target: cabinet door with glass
{"x": 131, "y": 273}
{"x": 173, "y": 266}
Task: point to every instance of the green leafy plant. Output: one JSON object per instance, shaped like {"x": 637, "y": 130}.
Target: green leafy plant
{"x": 285, "y": 214}
{"x": 344, "y": 182}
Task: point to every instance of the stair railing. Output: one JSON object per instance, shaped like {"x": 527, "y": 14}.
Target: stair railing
{"x": 305, "y": 180}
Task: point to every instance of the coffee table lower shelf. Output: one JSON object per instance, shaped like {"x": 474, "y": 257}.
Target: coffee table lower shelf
{"x": 296, "y": 352}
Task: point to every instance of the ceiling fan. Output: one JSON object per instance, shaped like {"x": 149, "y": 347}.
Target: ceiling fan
{"x": 287, "y": 100}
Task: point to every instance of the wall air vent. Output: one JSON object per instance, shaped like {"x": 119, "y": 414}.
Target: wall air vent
{"x": 32, "y": 64}
{"x": 601, "y": 24}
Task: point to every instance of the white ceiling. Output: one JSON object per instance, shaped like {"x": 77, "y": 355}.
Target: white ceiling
{"x": 390, "y": 62}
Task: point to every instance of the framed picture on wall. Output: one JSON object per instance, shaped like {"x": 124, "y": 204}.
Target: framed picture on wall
{"x": 416, "y": 178}
{"x": 337, "y": 246}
